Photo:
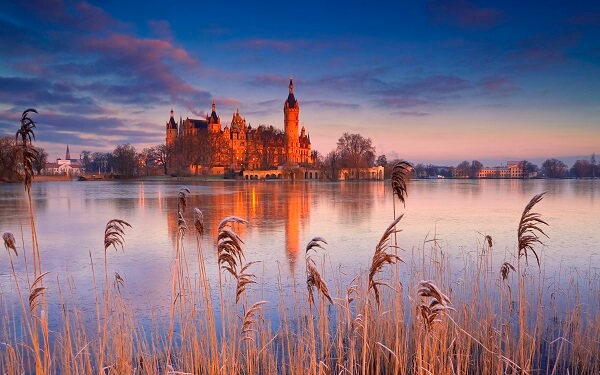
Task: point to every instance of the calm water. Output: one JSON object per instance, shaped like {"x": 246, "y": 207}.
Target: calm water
{"x": 284, "y": 216}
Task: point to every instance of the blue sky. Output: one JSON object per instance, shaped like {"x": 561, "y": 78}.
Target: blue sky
{"x": 432, "y": 81}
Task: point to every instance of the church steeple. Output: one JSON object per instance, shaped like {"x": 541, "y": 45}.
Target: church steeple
{"x": 68, "y": 155}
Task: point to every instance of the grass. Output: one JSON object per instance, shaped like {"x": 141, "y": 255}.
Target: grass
{"x": 418, "y": 315}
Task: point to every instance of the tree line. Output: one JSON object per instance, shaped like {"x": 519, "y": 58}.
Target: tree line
{"x": 352, "y": 152}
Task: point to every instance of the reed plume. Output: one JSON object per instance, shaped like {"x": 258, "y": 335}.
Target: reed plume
{"x": 400, "y": 176}
{"x": 113, "y": 234}
{"x": 9, "y": 242}
{"x": 489, "y": 240}
{"x": 229, "y": 246}
{"x": 505, "y": 270}
{"x": 313, "y": 277}
{"x": 119, "y": 282}
{"x": 529, "y": 229}
{"x": 381, "y": 257}
{"x": 181, "y": 224}
{"x": 244, "y": 279}
{"x": 229, "y": 221}
{"x": 250, "y": 320}
{"x": 199, "y": 221}
{"x": 36, "y": 290}
{"x": 438, "y": 304}
{"x": 182, "y": 199}
{"x": 29, "y": 153}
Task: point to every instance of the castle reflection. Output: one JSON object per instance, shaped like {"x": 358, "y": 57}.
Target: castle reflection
{"x": 273, "y": 206}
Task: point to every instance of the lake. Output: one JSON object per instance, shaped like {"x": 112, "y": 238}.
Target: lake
{"x": 283, "y": 216}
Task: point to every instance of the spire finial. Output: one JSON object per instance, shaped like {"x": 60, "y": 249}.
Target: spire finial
{"x": 291, "y": 85}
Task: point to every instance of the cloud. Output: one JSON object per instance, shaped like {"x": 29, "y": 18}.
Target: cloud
{"x": 283, "y": 46}
{"x": 464, "y": 13}
{"x": 437, "y": 85}
{"x": 269, "y": 80}
{"x": 498, "y": 86}
{"x": 402, "y": 102}
{"x": 330, "y": 104}
{"x": 412, "y": 113}
{"x": 161, "y": 29}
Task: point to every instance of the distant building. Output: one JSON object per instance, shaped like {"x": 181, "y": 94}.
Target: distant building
{"x": 512, "y": 170}
{"x": 240, "y": 146}
{"x": 66, "y": 166}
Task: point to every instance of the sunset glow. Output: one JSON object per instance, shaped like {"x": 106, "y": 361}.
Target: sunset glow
{"x": 432, "y": 82}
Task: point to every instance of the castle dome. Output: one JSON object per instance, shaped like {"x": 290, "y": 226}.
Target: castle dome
{"x": 237, "y": 121}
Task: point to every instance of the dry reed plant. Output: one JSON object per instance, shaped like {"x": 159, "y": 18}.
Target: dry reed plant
{"x": 9, "y": 242}
{"x": 35, "y": 290}
{"x": 249, "y": 320}
{"x": 529, "y": 229}
{"x": 199, "y": 221}
{"x": 400, "y": 176}
{"x": 527, "y": 236}
{"x": 182, "y": 199}
{"x": 244, "y": 279}
{"x": 505, "y": 270}
{"x": 114, "y": 232}
{"x": 381, "y": 257}
{"x": 439, "y": 303}
{"x": 28, "y": 152}
{"x": 313, "y": 277}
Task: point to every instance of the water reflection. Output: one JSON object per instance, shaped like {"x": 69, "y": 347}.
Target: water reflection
{"x": 283, "y": 217}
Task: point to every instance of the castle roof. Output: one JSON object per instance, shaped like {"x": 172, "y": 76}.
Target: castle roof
{"x": 198, "y": 124}
{"x": 291, "y": 100}
{"x": 171, "y": 124}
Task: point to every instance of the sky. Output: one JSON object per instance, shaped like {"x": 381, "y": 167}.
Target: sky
{"x": 428, "y": 81}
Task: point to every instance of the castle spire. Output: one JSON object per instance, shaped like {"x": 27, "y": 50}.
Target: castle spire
{"x": 68, "y": 155}
{"x": 291, "y": 86}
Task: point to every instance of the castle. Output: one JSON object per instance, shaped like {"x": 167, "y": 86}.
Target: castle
{"x": 202, "y": 143}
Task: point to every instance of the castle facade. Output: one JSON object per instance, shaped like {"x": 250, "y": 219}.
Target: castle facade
{"x": 203, "y": 143}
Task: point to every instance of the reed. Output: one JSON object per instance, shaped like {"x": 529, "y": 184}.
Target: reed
{"x": 460, "y": 319}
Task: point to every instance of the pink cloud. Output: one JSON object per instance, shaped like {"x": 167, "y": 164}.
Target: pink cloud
{"x": 500, "y": 86}
{"x": 161, "y": 28}
{"x": 147, "y": 50}
{"x": 402, "y": 102}
{"x": 269, "y": 80}
{"x": 227, "y": 102}
{"x": 464, "y": 13}
{"x": 280, "y": 45}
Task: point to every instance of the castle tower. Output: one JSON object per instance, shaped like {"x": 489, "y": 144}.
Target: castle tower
{"x": 68, "y": 154}
{"x": 171, "y": 129}
{"x": 214, "y": 121}
{"x": 291, "y": 112}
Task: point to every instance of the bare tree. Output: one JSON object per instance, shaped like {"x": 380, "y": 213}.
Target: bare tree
{"x": 125, "y": 159}
{"x": 355, "y": 151}
{"x": 462, "y": 170}
{"x": 554, "y": 168}
{"x": 581, "y": 169}
{"x": 528, "y": 168}
{"x": 8, "y": 160}
{"x": 593, "y": 162}
{"x": 331, "y": 165}
{"x": 42, "y": 159}
{"x": 474, "y": 169}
